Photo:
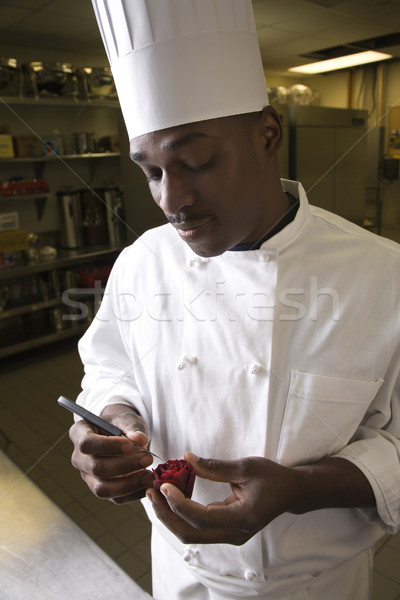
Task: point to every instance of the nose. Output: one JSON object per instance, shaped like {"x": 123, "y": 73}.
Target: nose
{"x": 174, "y": 195}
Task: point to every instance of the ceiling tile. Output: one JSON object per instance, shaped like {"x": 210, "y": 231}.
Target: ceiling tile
{"x": 314, "y": 24}
{"x": 270, "y": 36}
{"x": 81, "y": 9}
{"x": 10, "y": 15}
{"x": 353, "y": 31}
{"x": 327, "y": 3}
{"x": 44, "y": 23}
{"x": 29, "y": 4}
{"x": 369, "y": 9}
{"x": 270, "y": 12}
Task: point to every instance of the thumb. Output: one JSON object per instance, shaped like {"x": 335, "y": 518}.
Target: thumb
{"x": 137, "y": 436}
{"x": 214, "y": 469}
{"x": 133, "y": 427}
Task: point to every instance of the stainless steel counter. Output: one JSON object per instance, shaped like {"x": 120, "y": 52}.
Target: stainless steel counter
{"x": 44, "y": 555}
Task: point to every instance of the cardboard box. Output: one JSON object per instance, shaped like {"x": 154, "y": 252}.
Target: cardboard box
{"x": 12, "y": 241}
{"x": 6, "y": 145}
{"x": 9, "y": 221}
{"x": 27, "y": 145}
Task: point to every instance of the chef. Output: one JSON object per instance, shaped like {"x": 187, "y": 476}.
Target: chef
{"x": 253, "y": 334}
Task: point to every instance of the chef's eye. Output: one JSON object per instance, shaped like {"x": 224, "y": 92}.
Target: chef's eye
{"x": 201, "y": 168}
{"x": 153, "y": 175}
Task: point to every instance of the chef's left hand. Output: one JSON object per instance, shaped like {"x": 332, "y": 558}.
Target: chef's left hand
{"x": 261, "y": 490}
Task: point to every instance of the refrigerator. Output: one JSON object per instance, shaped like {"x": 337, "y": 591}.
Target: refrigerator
{"x": 326, "y": 150}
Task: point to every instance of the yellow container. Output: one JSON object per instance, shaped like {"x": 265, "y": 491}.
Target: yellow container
{"x": 12, "y": 241}
{"x": 6, "y": 145}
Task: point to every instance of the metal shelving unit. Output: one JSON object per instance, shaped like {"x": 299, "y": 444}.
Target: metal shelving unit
{"x": 16, "y": 333}
{"x": 36, "y": 315}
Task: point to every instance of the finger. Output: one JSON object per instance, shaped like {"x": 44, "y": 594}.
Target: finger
{"x": 229, "y": 514}
{"x": 85, "y": 437}
{"x": 132, "y": 424}
{"x": 120, "y": 489}
{"x": 229, "y": 471}
{"x": 105, "y": 467}
{"x": 186, "y": 532}
{"x": 87, "y": 441}
{"x": 133, "y": 433}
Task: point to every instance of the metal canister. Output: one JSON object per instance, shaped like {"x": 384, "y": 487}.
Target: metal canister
{"x": 82, "y": 142}
{"x": 93, "y": 217}
{"x": 115, "y": 215}
{"x": 71, "y": 219}
{"x": 56, "y": 319}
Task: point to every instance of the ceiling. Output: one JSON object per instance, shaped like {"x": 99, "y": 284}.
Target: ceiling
{"x": 287, "y": 29}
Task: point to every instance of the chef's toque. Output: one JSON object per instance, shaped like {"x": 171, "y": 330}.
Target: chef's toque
{"x": 182, "y": 61}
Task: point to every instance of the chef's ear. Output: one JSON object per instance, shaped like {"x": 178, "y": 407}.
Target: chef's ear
{"x": 271, "y": 128}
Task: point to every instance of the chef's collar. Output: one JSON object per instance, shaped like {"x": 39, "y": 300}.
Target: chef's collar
{"x": 287, "y": 218}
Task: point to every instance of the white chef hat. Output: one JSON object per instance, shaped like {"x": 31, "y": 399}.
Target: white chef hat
{"x": 182, "y": 61}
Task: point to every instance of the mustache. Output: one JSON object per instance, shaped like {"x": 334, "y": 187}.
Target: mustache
{"x": 181, "y": 218}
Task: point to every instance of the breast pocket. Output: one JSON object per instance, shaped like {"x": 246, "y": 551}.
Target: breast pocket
{"x": 321, "y": 415}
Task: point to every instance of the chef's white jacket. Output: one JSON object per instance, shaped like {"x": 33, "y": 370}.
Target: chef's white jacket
{"x": 290, "y": 352}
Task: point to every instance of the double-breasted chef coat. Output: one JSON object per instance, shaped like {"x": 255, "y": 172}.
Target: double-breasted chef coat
{"x": 290, "y": 352}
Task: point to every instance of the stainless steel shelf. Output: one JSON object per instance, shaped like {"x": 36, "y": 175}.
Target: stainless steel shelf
{"x": 62, "y": 102}
{"x": 55, "y": 157}
{"x": 36, "y": 342}
{"x": 27, "y": 308}
{"x": 66, "y": 258}
{"x": 26, "y": 196}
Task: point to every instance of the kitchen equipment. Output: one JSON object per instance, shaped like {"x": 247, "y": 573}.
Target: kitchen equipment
{"x": 3, "y": 297}
{"x": 115, "y": 214}
{"x": 301, "y": 94}
{"x": 70, "y": 280}
{"x": 71, "y": 219}
{"x": 55, "y": 283}
{"x": 15, "y": 293}
{"x": 31, "y": 289}
{"x": 56, "y": 319}
{"x": 334, "y": 179}
{"x": 82, "y": 143}
{"x": 49, "y": 79}
{"x": 96, "y": 83}
{"x": 94, "y": 217}
{"x": 10, "y": 77}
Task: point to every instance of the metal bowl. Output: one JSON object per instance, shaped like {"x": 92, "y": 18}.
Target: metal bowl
{"x": 49, "y": 78}
{"x": 9, "y": 76}
{"x": 97, "y": 82}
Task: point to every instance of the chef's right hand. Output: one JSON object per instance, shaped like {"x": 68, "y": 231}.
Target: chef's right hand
{"x": 114, "y": 467}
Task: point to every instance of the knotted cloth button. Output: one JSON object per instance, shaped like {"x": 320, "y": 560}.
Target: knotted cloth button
{"x": 249, "y": 575}
{"x": 187, "y": 555}
{"x": 264, "y": 258}
{"x": 185, "y": 361}
{"x": 254, "y": 368}
{"x": 196, "y": 262}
